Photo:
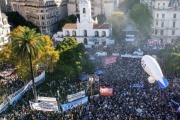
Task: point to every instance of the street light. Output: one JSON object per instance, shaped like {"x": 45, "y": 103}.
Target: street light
{"x": 91, "y": 79}
{"x": 58, "y": 101}
{"x": 37, "y": 67}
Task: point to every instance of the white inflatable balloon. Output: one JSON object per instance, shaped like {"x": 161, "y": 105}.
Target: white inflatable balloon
{"x": 151, "y": 79}
{"x": 151, "y": 67}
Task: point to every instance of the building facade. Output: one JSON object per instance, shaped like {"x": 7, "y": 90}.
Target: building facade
{"x": 166, "y": 19}
{"x": 4, "y": 29}
{"x": 43, "y": 13}
{"x": 86, "y": 30}
{"x": 97, "y": 7}
{"x": 5, "y": 5}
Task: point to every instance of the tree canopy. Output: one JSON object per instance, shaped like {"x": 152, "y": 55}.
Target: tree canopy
{"x": 170, "y": 57}
{"x": 127, "y": 4}
{"x": 72, "y": 58}
{"x": 101, "y": 18}
{"x": 47, "y": 59}
{"x": 16, "y": 19}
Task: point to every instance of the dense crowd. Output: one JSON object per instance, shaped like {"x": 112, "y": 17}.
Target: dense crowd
{"x": 129, "y": 102}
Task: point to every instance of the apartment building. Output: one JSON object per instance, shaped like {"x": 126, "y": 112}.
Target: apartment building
{"x": 4, "y": 29}
{"x": 43, "y": 13}
{"x": 166, "y": 19}
{"x": 5, "y": 5}
{"x": 97, "y": 7}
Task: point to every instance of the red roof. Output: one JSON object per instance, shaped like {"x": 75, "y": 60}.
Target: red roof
{"x": 95, "y": 26}
{"x": 70, "y": 26}
{"x": 101, "y": 26}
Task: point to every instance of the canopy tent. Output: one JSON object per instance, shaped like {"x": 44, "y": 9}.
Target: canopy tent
{"x": 99, "y": 72}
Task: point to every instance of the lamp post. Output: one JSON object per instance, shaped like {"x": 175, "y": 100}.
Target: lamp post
{"x": 91, "y": 79}
{"x": 58, "y": 101}
{"x": 37, "y": 67}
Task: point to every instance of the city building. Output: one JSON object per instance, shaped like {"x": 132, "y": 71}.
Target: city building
{"x": 43, "y": 13}
{"x": 97, "y": 7}
{"x": 4, "y": 29}
{"x": 86, "y": 30}
{"x": 5, "y": 5}
{"x": 166, "y": 19}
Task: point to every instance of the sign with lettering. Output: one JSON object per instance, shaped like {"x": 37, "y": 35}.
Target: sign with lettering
{"x": 106, "y": 91}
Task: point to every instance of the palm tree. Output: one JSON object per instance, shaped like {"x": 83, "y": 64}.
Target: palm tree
{"x": 27, "y": 44}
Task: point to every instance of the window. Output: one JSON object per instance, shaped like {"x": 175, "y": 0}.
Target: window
{"x": 158, "y": 5}
{"x": 96, "y": 34}
{"x": 85, "y": 32}
{"x": 85, "y": 41}
{"x": 174, "y": 24}
{"x": 84, "y": 10}
{"x": 173, "y": 32}
{"x": 163, "y": 5}
{"x": 172, "y": 40}
{"x": 161, "y": 40}
{"x": 157, "y": 15}
{"x": 156, "y": 23}
{"x": 73, "y": 33}
{"x": 103, "y": 34}
{"x": 162, "y": 32}
{"x": 162, "y": 24}
{"x": 174, "y": 15}
{"x": 156, "y": 31}
{"x": 163, "y": 15}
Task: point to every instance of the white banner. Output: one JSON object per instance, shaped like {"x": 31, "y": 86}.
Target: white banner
{"x": 74, "y": 104}
{"x": 75, "y": 96}
{"x": 43, "y": 106}
{"x": 47, "y": 99}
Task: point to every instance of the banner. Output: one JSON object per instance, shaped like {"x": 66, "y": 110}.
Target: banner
{"x": 47, "y": 99}
{"x": 110, "y": 60}
{"x": 106, "y": 91}
{"x": 18, "y": 94}
{"x": 74, "y": 104}
{"x": 75, "y": 96}
{"x": 43, "y": 106}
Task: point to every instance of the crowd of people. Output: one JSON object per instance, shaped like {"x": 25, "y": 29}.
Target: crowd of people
{"x": 133, "y": 98}
{"x": 9, "y": 82}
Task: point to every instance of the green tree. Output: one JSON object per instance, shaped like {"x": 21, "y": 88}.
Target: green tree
{"x": 72, "y": 18}
{"x": 70, "y": 57}
{"x": 49, "y": 57}
{"x": 88, "y": 65}
{"x": 101, "y": 18}
{"x": 16, "y": 19}
{"x": 142, "y": 17}
{"x": 27, "y": 45}
{"x": 47, "y": 61}
{"x": 170, "y": 57}
{"x": 6, "y": 55}
{"x": 127, "y": 4}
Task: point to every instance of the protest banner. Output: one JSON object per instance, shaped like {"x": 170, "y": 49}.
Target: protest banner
{"x": 75, "y": 96}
